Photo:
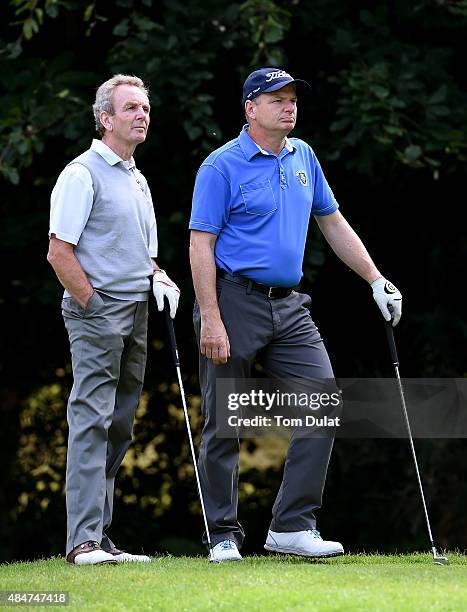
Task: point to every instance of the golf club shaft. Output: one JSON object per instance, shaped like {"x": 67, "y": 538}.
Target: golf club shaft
{"x": 173, "y": 345}
{"x": 392, "y": 347}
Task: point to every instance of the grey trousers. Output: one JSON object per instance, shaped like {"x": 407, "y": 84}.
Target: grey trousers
{"x": 108, "y": 341}
{"x": 279, "y": 334}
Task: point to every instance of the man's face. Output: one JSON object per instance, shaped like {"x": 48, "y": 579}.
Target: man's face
{"x": 130, "y": 121}
{"x": 276, "y": 111}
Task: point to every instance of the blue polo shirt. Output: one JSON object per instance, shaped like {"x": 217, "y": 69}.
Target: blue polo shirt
{"x": 259, "y": 205}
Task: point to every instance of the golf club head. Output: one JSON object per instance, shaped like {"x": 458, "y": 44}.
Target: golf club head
{"x": 438, "y": 560}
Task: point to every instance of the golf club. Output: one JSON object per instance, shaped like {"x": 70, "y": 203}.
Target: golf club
{"x": 438, "y": 559}
{"x": 173, "y": 346}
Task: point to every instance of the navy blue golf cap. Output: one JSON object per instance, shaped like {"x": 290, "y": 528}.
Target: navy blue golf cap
{"x": 268, "y": 79}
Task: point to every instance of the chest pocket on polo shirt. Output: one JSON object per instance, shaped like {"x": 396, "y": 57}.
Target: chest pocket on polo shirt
{"x": 258, "y": 198}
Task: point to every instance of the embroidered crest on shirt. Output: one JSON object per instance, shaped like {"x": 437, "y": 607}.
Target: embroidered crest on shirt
{"x": 302, "y": 177}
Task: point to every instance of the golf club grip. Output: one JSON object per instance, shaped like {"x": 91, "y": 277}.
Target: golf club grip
{"x": 171, "y": 330}
{"x": 391, "y": 342}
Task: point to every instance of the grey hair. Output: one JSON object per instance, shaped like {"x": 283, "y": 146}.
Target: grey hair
{"x": 103, "y": 103}
{"x": 255, "y": 102}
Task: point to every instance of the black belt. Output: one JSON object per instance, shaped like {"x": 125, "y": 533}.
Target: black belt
{"x": 273, "y": 293}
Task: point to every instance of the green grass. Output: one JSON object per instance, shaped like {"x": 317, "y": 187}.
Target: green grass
{"x": 352, "y": 582}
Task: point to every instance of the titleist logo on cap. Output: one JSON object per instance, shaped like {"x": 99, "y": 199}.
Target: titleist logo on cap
{"x": 278, "y": 74}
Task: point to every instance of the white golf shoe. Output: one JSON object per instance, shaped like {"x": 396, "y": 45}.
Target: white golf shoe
{"x": 121, "y": 556}
{"x": 225, "y": 551}
{"x": 89, "y": 553}
{"x": 307, "y": 543}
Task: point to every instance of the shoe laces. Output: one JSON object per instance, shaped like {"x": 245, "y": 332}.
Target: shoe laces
{"x": 227, "y": 545}
{"x": 315, "y": 534}
{"x": 90, "y": 546}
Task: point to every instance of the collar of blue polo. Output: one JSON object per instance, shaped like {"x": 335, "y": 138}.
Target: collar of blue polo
{"x": 250, "y": 148}
{"x": 110, "y": 156}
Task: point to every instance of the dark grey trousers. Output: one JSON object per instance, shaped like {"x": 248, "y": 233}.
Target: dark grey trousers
{"x": 281, "y": 335}
{"x": 108, "y": 352}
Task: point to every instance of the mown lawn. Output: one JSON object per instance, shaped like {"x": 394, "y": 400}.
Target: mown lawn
{"x": 274, "y": 583}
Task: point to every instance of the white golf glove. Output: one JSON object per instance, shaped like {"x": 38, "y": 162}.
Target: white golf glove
{"x": 388, "y": 298}
{"x": 162, "y": 287}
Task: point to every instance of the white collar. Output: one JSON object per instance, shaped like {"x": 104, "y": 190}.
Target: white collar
{"x": 109, "y": 155}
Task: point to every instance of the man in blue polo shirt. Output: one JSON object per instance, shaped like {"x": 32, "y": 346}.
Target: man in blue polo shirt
{"x": 251, "y": 207}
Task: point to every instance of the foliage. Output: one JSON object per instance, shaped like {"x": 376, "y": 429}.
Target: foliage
{"x": 398, "y": 95}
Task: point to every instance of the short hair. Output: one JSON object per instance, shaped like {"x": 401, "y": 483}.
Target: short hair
{"x": 103, "y": 102}
{"x": 255, "y": 102}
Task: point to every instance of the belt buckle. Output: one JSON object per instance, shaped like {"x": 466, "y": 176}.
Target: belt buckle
{"x": 270, "y": 292}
